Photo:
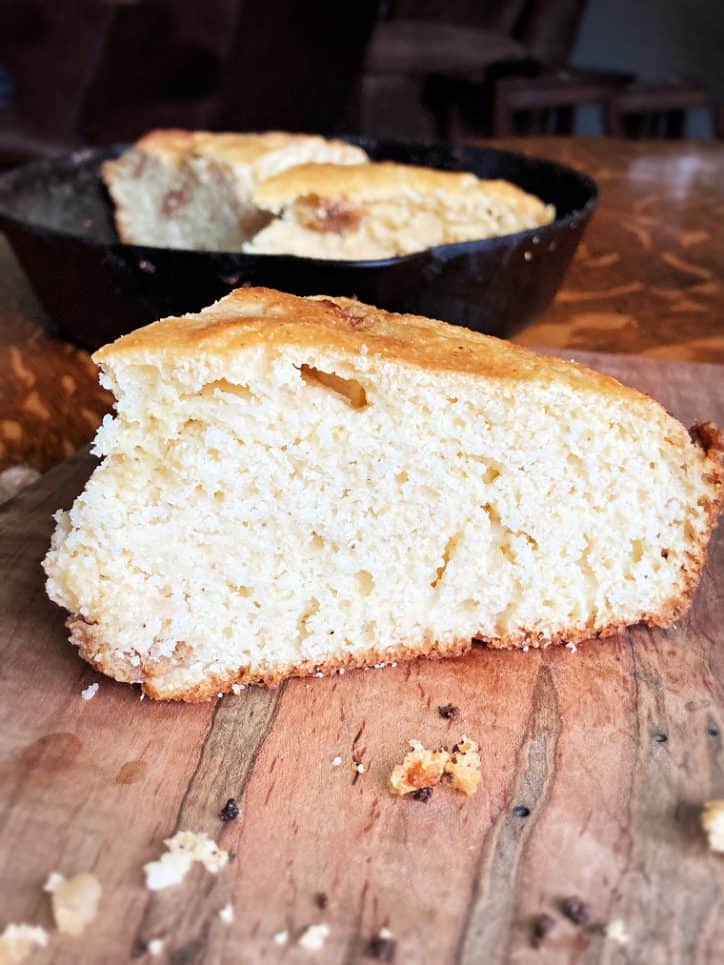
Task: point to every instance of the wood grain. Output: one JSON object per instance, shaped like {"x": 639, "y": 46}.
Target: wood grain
{"x": 613, "y": 812}
{"x": 646, "y": 280}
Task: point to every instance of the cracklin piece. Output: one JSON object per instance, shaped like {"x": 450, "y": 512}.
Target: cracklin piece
{"x": 294, "y": 485}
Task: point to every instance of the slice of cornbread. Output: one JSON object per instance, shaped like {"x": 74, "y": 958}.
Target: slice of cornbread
{"x": 193, "y": 189}
{"x": 293, "y": 485}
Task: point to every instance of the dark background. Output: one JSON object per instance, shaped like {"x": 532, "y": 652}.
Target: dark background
{"x": 76, "y": 72}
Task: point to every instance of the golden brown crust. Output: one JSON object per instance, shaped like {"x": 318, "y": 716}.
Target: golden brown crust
{"x": 161, "y": 686}
{"x": 175, "y": 145}
{"x": 373, "y": 182}
{"x": 253, "y": 316}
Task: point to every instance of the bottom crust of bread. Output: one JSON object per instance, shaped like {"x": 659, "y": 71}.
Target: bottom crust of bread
{"x": 169, "y": 680}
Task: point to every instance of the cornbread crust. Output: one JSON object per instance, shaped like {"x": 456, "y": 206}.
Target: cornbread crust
{"x": 258, "y": 316}
{"x": 168, "y": 684}
{"x": 372, "y": 182}
{"x": 251, "y": 317}
{"x": 177, "y": 145}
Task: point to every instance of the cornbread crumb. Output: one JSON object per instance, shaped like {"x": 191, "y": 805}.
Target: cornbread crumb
{"x": 336, "y": 761}
{"x": 75, "y": 903}
{"x": 17, "y": 941}
{"x": 183, "y": 849}
{"x": 616, "y": 931}
{"x": 419, "y": 768}
{"x": 712, "y": 821}
{"x": 464, "y": 766}
{"x": 155, "y": 947}
{"x": 313, "y": 937}
{"x": 422, "y": 768}
{"x": 226, "y": 914}
{"x": 54, "y": 879}
{"x": 382, "y": 946}
{"x": 90, "y": 691}
{"x": 359, "y": 767}
{"x": 281, "y": 937}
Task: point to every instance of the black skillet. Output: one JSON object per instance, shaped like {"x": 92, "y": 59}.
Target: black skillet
{"x": 59, "y": 220}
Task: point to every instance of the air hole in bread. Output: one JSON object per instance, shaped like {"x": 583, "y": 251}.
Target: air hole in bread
{"x": 447, "y": 555}
{"x": 230, "y": 388}
{"x": 350, "y": 389}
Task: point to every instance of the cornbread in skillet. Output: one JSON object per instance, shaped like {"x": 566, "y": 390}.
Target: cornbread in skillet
{"x": 192, "y": 189}
{"x": 383, "y": 210}
{"x": 294, "y": 485}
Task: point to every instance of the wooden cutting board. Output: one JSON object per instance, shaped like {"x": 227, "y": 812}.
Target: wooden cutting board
{"x": 613, "y": 749}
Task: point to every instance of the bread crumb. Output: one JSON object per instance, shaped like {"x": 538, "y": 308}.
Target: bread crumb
{"x": 75, "y": 902}
{"x": 17, "y": 941}
{"x": 54, "y": 879}
{"x": 572, "y": 647}
{"x": 359, "y": 767}
{"x": 281, "y": 938}
{"x": 336, "y": 761}
{"x": 419, "y": 768}
{"x": 464, "y": 766}
{"x": 314, "y": 937}
{"x": 183, "y": 849}
{"x": 616, "y": 931}
{"x": 382, "y": 946}
{"x": 219, "y": 694}
{"x": 237, "y": 688}
{"x": 422, "y": 768}
{"x": 90, "y": 691}
{"x": 226, "y": 914}
{"x": 712, "y": 821}
{"x": 155, "y": 947}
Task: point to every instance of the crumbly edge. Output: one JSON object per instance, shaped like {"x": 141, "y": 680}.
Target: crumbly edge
{"x": 88, "y": 637}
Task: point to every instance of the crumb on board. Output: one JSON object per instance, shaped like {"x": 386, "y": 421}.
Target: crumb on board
{"x": 449, "y": 711}
{"x": 359, "y": 767}
{"x": 616, "y": 931}
{"x": 313, "y": 937}
{"x": 54, "y": 879}
{"x": 230, "y": 811}
{"x": 542, "y": 926}
{"x": 712, "y": 821}
{"x": 420, "y": 768}
{"x": 337, "y": 761}
{"x": 182, "y": 850}
{"x": 226, "y": 914}
{"x": 572, "y": 647}
{"x": 423, "y": 768}
{"x": 18, "y": 941}
{"x": 155, "y": 947}
{"x": 236, "y": 689}
{"x": 576, "y": 911}
{"x": 90, "y": 691}
{"x": 382, "y": 946}
{"x": 280, "y": 938}
{"x": 464, "y": 766}
{"x": 75, "y": 902}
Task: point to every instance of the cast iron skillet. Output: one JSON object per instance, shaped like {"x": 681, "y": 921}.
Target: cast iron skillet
{"x": 59, "y": 220}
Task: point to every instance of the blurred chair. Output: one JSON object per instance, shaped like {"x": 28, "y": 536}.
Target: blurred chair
{"x": 656, "y": 110}
{"x": 546, "y": 103}
{"x": 426, "y": 63}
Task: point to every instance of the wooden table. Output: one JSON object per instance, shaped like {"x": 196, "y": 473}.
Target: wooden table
{"x": 595, "y": 765}
{"x": 647, "y": 280}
